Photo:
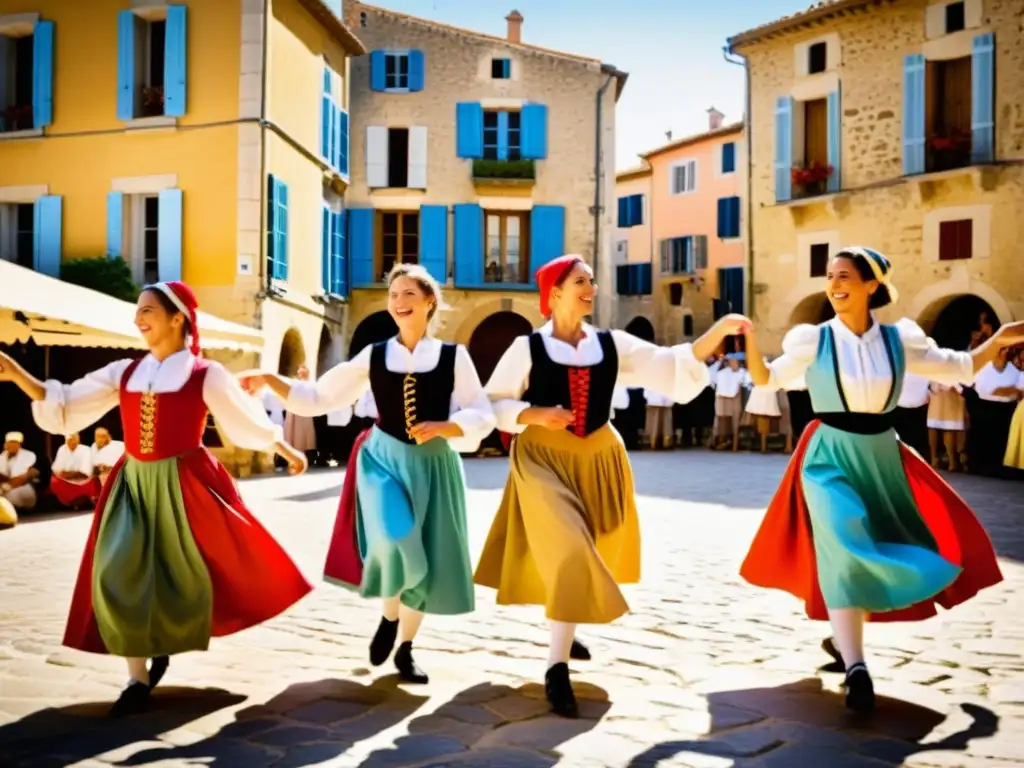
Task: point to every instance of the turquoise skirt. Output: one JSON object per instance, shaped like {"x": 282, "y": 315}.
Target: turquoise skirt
{"x": 872, "y": 547}
{"x": 411, "y": 525}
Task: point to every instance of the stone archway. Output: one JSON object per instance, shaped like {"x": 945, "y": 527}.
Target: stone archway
{"x": 493, "y": 337}
{"x": 952, "y": 319}
{"x": 813, "y": 309}
{"x": 293, "y": 353}
{"x": 641, "y": 327}
{"x": 373, "y": 328}
{"x": 327, "y": 355}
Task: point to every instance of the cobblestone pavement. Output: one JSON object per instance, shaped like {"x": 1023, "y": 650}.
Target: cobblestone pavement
{"x": 705, "y": 672}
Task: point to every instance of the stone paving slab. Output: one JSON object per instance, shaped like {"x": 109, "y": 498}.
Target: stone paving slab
{"x": 705, "y": 672}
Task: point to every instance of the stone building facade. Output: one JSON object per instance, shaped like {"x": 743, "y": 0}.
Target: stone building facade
{"x": 915, "y": 106}
{"x": 480, "y": 157}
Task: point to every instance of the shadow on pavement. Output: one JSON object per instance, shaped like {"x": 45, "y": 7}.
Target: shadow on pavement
{"x": 800, "y": 724}
{"x": 66, "y": 735}
{"x": 306, "y": 724}
{"x": 493, "y": 725}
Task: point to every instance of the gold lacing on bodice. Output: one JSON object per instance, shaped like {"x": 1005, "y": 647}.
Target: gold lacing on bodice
{"x": 147, "y": 422}
{"x": 409, "y": 401}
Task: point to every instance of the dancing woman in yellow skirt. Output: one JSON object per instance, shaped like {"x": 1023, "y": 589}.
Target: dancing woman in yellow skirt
{"x": 567, "y": 532}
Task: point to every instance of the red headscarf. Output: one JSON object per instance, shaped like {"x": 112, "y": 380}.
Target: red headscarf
{"x": 551, "y": 274}
{"x": 185, "y": 300}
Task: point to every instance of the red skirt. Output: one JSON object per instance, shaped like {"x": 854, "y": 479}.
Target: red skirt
{"x": 69, "y": 494}
{"x": 253, "y": 578}
{"x": 344, "y": 562}
{"x": 782, "y": 554}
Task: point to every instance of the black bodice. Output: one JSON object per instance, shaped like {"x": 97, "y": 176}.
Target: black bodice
{"x": 405, "y": 399}
{"x": 587, "y": 391}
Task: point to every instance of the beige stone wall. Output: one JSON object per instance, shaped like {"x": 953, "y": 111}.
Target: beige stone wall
{"x": 458, "y": 69}
{"x": 878, "y": 206}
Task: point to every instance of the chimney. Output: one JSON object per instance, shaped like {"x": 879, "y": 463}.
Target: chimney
{"x": 515, "y": 27}
{"x": 715, "y": 119}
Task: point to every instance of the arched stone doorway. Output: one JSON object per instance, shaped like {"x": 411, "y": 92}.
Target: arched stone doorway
{"x": 293, "y": 354}
{"x": 327, "y": 352}
{"x": 492, "y": 337}
{"x": 641, "y": 328}
{"x": 814, "y": 309}
{"x": 373, "y": 328}
{"x": 952, "y": 319}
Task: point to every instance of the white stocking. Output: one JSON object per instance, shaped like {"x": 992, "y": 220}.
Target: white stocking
{"x": 562, "y": 634}
{"x": 848, "y": 630}
{"x": 409, "y": 624}
{"x": 390, "y": 607}
{"x": 137, "y": 670}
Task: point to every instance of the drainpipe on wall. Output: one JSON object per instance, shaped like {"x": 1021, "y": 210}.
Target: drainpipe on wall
{"x": 264, "y": 272}
{"x": 598, "y": 175}
{"x": 748, "y": 257}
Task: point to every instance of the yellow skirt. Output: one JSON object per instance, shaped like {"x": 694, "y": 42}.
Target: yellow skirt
{"x": 567, "y": 533}
{"x": 1015, "y": 444}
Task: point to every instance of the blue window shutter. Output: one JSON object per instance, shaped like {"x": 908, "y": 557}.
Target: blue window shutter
{"x": 735, "y": 205}
{"x": 360, "y": 247}
{"x": 636, "y": 210}
{"x": 469, "y": 245}
{"x": 46, "y": 245}
{"x": 339, "y": 254}
{"x": 417, "y": 67}
{"x": 729, "y": 157}
{"x": 175, "y": 61}
{"x": 783, "y": 148}
{"x": 983, "y": 138}
{"x": 335, "y": 136}
{"x": 326, "y": 244}
{"x": 534, "y": 131}
{"x": 328, "y": 80}
{"x": 125, "y": 65}
{"x": 913, "y": 114}
{"x": 115, "y": 225}
{"x": 326, "y": 133}
{"x": 169, "y": 231}
{"x": 281, "y": 230}
{"x": 623, "y": 212}
{"x": 42, "y": 74}
{"x": 723, "y": 215}
{"x": 645, "y": 279}
{"x": 434, "y": 241}
{"x": 835, "y": 140}
{"x": 343, "y": 143}
{"x": 377, "y": 79}
{"x": 469, "y": 129}
{"x": 547, "y": 235}
{"x": 503, "y": 135}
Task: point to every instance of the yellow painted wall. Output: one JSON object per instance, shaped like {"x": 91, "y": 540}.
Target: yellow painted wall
{"x": 80, "y": 167}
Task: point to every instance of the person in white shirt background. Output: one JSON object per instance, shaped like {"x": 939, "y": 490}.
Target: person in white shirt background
{"x": 996, "y": 386}
{"x": 658, "y": 429}
{"x": 763, "y": 406}
{"x": 947, "y": 415}
{"x": 729, "y": 383}
{"x": 72, "y": 481}
{"x": 105, "y": 453}
{"x": 911, "y": 417}
{"x": 17, "y": 471}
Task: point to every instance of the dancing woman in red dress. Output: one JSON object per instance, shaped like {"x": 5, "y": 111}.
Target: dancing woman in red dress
{"x": 174, "y": 557}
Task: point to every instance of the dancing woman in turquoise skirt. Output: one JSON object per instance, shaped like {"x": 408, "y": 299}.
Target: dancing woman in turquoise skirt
{"x": 400, "y": 533}
{"x": 862, "y": 529}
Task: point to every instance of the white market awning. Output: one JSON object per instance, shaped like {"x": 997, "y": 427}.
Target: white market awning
{"x": 54, "y": 313}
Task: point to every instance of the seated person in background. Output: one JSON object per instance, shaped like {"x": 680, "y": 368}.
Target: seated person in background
{"x": 105, "y": 453}
{"x": 17, "y": 471}
{"x": 72, "y": 481}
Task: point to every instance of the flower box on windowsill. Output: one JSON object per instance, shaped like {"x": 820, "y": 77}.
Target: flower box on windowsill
{"x": 512, "y": 173}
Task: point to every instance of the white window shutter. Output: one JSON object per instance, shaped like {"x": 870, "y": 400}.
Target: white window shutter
{"x": 417, "y": 157}
{"x": 376, "y": 156}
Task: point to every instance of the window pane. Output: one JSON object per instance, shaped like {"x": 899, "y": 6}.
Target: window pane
{"x": 403, "y": 65}
{"x": 514, "y": 119}
{"x": 390, "y": 66}
{"x": 512, "y": 248}
{"x": 490, "y": 119}
{"x": 26, "y": 218}
{"x": 152, "y": 211}
{"x": 389, "y": 223}
{"x": 25, "y": 256}
{"x": 150, "y": 244}
{"x": 410, "y": 224}
{"x": 150, "y": 273}
{"x": 492, "y": 272}
{"x": 157, "y": 40}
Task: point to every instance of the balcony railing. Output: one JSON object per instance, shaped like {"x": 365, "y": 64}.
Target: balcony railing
{"x": 523, "y": 171}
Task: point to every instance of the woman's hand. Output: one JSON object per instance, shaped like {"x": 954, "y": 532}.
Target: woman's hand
{"x": 296, "y": 459}
{"x": 12, "y": 372}
{"x": 1010, "y": 334}
{"x": 8, "y": 368}
{"x": 734, "y": 325}
{"x": 548, "y": 418}
{"x": 428, "y": 430}
{"x": 252, "y": 381}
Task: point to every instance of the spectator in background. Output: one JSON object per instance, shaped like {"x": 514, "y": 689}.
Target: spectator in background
{"x": 946, "y": 416}
{"x": 105, "y": 453}
{"x": 729, "y": 383}
{"x": 17, "y": 471}
{"x": 72, "y": 481}
{"x": 991, "y": 412}
{"x": 660, "y": 434}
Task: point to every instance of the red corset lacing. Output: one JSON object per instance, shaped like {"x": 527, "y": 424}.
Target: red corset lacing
{"x": 579, "y": 394}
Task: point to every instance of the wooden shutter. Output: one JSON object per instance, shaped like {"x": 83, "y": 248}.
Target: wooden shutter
{"x": 42, "y": 74}
{"x": 417, "y": 70}
{"x": 326, "y": 246}
{"x": 125, "y": 65}
{"x": 835, "y": 139}
{"x": 700, "y": 252}
{"x": 913, "y": 114}
{"x": 469, "y": 129}
{"x": 169, "y": 234}
{"x": 547, "y": 235}
{"x": 534, "y": 131}
{"x": 377, "y": 79}
{"x": 417, "y": 177}
{"x": 982, "y": 99}
{"x": 783, "y": 148}
{"x": 376, "y": 156}
{"x": 175, "y": 61}
{"x": 115, "y": 225}
{"x": 47, "y": 242}
{"x": 469, "y": 245}
{"x": 361, "y": 247}
{"x": 434, "y": 241}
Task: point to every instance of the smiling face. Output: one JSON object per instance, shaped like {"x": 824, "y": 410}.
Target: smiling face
{"x": 409, "y": 303}
{"x": 72, "y": 441}
{"x": 102, "y": 437}
{"x": 12, "y": 447}
{"x": 848, "y": 291}
{"x": 575, "y": 294}
{"x": 155, "y": 322}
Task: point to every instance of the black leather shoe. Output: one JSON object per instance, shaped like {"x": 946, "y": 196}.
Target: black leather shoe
{"x": 157, "y": 668}
{"x": 133, "y": 700}
{"x": 383, "y": 641}
{"x": 828, "y": 645}
{"x": 408, "y": 670}
{"x": 559, "y": 691}
{"x": 579, "y": 651}
{"x": 860, "y": 690}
